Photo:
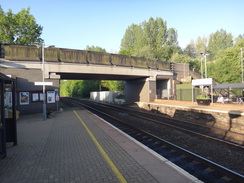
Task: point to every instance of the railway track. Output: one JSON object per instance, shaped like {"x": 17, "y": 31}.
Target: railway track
{"x": 205, "y": 131}
{"x": 202, "y": 168}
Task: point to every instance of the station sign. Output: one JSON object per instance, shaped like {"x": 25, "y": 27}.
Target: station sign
{"x": 44, "y": 83}
{"x": 204, "y": 82}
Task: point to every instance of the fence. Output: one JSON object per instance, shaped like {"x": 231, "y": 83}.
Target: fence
{"x": 186, "y": 94}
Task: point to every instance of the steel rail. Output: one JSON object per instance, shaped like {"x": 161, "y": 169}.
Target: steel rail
{"x": 113, "y": 107}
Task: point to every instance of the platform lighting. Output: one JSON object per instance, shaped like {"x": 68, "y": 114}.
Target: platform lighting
{"x": 201, "y": 69}
{"x": 241, "y": 66}
{"x": 205, "y": 58}
{"x": 43, "y": 79}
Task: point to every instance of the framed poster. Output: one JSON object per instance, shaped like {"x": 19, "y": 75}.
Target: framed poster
{"x": 8, "y": 99}
{"x": 24, "y": 98}
{"x": 35, "y": 97}
{"x": 42, "y": 95}
{"x": 51, "y": 97}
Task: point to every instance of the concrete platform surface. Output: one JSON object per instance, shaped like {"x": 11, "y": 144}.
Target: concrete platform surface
{"x": 194, "y": 105}
{"x": 77, "y": 146}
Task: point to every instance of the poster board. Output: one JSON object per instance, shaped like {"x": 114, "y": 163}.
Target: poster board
{"x": 35, "y": 97}
{"x": 8, "y": 99}
{"x": 51, "y": 97}
{"x": 24, "y": 98}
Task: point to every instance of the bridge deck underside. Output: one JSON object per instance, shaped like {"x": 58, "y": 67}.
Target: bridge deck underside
{"x": 83, "y": 76}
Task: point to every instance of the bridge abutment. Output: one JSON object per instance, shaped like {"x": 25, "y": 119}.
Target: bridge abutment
{"x": 140, "y": 90}
{"x": 148, "y": 89}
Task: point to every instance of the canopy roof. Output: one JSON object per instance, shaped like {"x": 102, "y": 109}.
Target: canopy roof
{"x": 5, "y": 78}
{"x": 229, "y": 85}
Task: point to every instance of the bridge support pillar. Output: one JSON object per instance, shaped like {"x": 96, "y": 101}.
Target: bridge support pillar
{"x": 141, "y": 90}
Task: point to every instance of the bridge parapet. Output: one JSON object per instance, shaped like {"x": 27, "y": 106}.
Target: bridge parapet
{"x": 72, "y": 56}
{"x": 121, "y": 60}
{"x": 98, "y": 58}
{"x": 14, "y": 52}
{"x": 27, "y": 53}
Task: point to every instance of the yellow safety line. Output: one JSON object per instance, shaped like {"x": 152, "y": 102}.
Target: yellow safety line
{"x": 104, "y": 154}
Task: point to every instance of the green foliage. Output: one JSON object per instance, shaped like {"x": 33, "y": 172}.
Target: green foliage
{"x": 20, "y": 28}
{"x": 82, "y": 88}
{"x": 184, "y": 58}
{"x": 65, "y": 89}
{"x": 203, "y": 97}
{"x": 113, "y": 85}
{"x": 227, "y": 67}
{"x": 223, "y": 61}
{"x": 126, "y": 52}
{"x": 201, "y": 45}
{"x": 180, "y": 58}
{"x": 239, "y": 38}
{"x": 150, "y": 39}
{"x": 190, "y": 50}
{"x": 78, "y": 88}
{"x": 219, "y": 41}
{"x": 95, "y": 48}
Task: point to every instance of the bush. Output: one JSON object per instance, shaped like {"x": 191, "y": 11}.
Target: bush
{"x": 203, "y": 97}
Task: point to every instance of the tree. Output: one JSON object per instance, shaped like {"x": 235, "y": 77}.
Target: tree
{"x": 218, "y": 41}
{"x": 95, "y": 48}
{"x": 240, "y": 37}
{"x": 190, "y": 50}
{"x": 132, "y": 37}
{"x": 201, "y": 45}
{"x": 65, "y": 89}
{"x": 20, "y": 28}
{"x": 227, "y": 67}
{"x": 78, "y": 88}
{"x": 150, "y": 39}
{"x": 113, "y": 85}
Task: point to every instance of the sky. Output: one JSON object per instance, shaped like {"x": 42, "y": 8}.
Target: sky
{"x": 74, "y": 24}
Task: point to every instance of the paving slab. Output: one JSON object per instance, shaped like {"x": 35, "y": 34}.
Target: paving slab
{"x": 60, "y": 149}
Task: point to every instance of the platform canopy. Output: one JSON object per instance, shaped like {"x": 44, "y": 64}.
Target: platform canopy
{"x": 5, "y": 78}
{"x": 229, "y": 85}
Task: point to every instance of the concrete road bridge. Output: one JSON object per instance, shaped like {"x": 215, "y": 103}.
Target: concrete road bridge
{"x": 145, "y": 79}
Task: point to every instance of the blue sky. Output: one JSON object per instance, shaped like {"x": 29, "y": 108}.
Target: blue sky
{"x": 77, "y": 23}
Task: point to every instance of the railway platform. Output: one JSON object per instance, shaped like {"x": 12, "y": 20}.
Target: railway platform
{"x": 77, "y": 146}
{"x": 211, "y": 107}
{"x": 227, "y": 117}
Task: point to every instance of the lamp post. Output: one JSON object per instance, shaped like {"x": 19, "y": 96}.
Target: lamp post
{"x": 205, "y": 58}
{"x": 201, "y": 69}
{"x": 241, "y": 66}
{"x": 44, "y": 107}
{"x": 43, "y": 86}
